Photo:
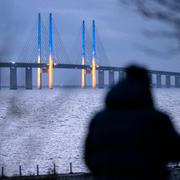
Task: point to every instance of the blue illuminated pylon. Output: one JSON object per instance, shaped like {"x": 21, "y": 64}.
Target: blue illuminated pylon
{"x": 83, "y": 38}
{"x": 50, "y": 35}
{"x": 39, "y": 52}
{"x": 83, "y": 76}
{"x": 93, "y": 70}
{"x": 93, "y": 39}
{"x": 50, "y": 69}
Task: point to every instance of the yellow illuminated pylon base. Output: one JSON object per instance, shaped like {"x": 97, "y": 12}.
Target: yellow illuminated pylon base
{"x": 39, "y": 75}
{"x": 50, "y": 73}
{"x": 93, "y": 71}
{"x": 83, "y": 76}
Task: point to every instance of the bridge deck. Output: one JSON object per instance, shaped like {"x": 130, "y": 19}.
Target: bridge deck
{"x": 77, "y": 66}
{"x": 43, "y": 65}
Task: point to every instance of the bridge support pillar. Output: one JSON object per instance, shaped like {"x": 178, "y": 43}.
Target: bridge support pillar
{"x": 111, "y": 78}
{"x": 177, "y": 84}
{"x": 122, "y": 75}
{"x": 28, "y": 78}
{"x": 158, "y": 82}
{"x": 151, "y": 79}
{"x": 101, "y": 78}
{"x": 13, "y": 77}
{"x": 168, "y": 81}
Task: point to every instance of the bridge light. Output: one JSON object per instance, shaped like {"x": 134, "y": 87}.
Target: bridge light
{"x": 93, "y": 73}
{"x": 55, "y": 64}
{"x": 13, "y": 62}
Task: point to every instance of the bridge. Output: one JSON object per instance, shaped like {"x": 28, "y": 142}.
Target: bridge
{"x": 95, "y": 70}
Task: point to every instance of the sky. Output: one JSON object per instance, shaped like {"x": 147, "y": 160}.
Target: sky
{"x": 120, "y": 29}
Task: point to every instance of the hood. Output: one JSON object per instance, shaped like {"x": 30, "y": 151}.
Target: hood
{"x": 133, "y": 92}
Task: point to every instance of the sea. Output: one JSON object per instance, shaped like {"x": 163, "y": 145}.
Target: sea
{"x": 48, "y": 127}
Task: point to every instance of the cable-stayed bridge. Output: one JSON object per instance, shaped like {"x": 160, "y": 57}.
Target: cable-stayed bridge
{"x": 45, "y": 52}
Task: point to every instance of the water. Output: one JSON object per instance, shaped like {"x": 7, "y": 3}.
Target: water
{"x": 45, "y": 127}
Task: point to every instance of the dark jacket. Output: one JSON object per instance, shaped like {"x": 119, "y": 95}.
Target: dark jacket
{"x": 130, "y": 139}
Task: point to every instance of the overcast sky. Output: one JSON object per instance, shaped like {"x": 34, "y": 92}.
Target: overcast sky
{"x": 120, "y": 29}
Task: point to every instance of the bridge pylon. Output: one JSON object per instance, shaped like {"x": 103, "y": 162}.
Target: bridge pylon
{"x": 50, "y": 67}
{"x": 93, "y": 70}
{"x": 83, "y": 75}
{"x": 39, "y": 71}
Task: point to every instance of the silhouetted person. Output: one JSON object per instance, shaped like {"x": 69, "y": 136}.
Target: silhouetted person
{"x": 130, "y": 139}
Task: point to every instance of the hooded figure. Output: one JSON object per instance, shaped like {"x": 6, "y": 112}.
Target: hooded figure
{"x": 130, "y": 139}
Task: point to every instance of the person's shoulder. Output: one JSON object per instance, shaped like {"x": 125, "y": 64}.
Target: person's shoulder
{"x": 162, "y": 115}
{"x": 99, "y": 117}
{"x": 155, "y": 116}
{"x": 163, "y": 118}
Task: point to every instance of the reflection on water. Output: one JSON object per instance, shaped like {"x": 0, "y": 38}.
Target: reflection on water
{"x": 45, "y": 127}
